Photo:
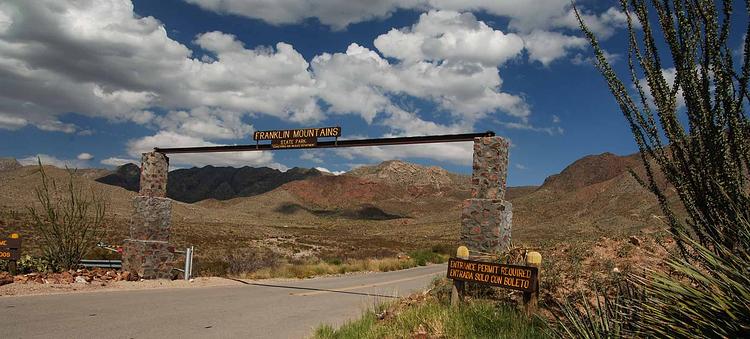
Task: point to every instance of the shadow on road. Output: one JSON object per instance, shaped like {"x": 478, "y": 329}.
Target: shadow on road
{"x": 314, "y": 289}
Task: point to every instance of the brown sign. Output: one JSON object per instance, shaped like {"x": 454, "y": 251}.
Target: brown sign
{"x": 10, "y": 254}
{"x": 10, "y": 249}
{"x": 10, "y": 243}
{"x": 305, "y": 133}
{"x": 521, "y": 278}
{"x": 294, "y": 143}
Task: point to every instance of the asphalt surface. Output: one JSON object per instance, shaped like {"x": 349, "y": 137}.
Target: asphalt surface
{"x": 259, "y": 309}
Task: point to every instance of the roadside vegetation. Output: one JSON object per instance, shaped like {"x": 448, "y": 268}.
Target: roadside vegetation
{"x": 265, "y": 264}
{"x": 430, "y": 315}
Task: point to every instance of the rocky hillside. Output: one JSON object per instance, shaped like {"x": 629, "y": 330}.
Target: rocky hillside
{"x": 220, "y": 183}
{"x": 590, "y": 170}
{"x": 7, "y": 164}
{"x": 401, "y": 173}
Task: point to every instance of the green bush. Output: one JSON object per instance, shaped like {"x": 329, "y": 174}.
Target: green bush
{"x": 424, "y": 257}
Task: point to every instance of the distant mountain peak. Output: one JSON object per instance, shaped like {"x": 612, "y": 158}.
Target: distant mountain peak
{"x": 399, "y": 172}
{"x": 590, "y": 170}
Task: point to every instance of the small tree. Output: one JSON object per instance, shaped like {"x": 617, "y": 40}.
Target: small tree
{"x": 69, "y": 221}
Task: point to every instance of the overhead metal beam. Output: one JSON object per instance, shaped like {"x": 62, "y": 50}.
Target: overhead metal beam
{"x": 333, "y": 144}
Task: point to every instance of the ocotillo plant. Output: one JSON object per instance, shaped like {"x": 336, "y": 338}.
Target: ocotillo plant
{"x": 70, "y": 220}
{"x": 694, "y": 130}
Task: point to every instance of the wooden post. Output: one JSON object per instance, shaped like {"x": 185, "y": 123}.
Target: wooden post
{"x": 457, "y": 293}
{"x": 12, "y": 264}
{"x": 530, "y": 299}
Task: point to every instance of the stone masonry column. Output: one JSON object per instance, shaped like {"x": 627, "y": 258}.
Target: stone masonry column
{"x": 486, "y": 218}
{"x": 147, "y": 252}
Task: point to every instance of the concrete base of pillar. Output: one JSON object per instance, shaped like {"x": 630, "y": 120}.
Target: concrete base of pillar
{"x": 147, "y": 258}
{"x": 486, "y": 225}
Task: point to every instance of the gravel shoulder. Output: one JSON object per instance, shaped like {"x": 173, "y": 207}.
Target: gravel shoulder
{"x": 17, "y": 289}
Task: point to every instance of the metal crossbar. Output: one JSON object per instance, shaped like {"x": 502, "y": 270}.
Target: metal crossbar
{"x": 101, "y": 263}
{"x": 334, "y": 144}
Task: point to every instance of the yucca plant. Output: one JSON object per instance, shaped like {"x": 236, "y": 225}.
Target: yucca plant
{"x": 701, "y": 150}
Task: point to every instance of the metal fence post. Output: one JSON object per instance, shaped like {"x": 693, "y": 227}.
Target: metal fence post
{"x": 187, "y": 264}
{"x": 192, "y": 249}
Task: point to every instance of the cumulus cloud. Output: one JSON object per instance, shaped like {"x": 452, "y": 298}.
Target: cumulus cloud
{"x": 451, "y": 36}
{"x": 50, "y": 160}
{"x": 137, "y": 147}
{"x": 323, "y": 169}
{"x": 338, "y": 14}
{"x": 85, "y": 156}
{"x": 547, "y": 46}
{"x": 99, "y": 58}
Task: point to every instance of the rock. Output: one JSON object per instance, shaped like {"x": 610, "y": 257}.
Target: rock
{"x": 634, "y": 240}
{"x": 6, "y": 278}
{"x": 81, "y": 280}
{"x": 67, "y": 278}
{"x": 615, "y": 270}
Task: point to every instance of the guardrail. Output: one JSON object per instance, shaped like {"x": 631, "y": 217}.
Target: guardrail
{"x": 105, "y": 263}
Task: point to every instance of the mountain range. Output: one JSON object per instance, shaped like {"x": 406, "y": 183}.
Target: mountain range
{"x": 394, "y": 205}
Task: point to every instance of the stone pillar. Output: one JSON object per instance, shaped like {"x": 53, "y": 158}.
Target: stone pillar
{"x": 486, "y": 219}
{"x": 154, "y": 171}
{"x": 147, "y": 252}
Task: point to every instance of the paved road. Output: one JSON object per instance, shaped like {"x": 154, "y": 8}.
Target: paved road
{"x": 265, "y": 309}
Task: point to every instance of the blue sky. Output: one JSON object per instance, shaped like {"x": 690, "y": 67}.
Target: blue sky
{"x": 95, "y": 83}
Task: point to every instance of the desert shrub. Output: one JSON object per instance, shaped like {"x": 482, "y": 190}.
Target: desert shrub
{"x": 70, "y": 220}
{"x": 247, "y": 260}
{"x": 423, "y": 257}
{"x": 27, "y": 264}
{"x": 207, "y": 267}
{"x": 702, "y": 152}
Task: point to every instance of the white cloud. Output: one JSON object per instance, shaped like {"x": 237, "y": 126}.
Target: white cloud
{"x": 555, "y": 119}
{"x": 114, "y": 161}
{"x": 11, "y": 122}
{"x": 520, "y": 166}
{"x": 323, "y": 169}
{"x": 524, "y": 17}
{"x": 548, "y": 46}
{"x": 555, "y": 130}
{"x": 165, "y": 139}
{"x": 450, "y": 36}
{"x": 85, "y": 156}
{"x": 312, "y": 155}
{"x": 53, "y": 161}
{"x": 99, "y": 58}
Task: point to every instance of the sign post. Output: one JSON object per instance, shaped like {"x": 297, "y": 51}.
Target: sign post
{"x": 457, "y": 292}
{"x": 10, "y": 249}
